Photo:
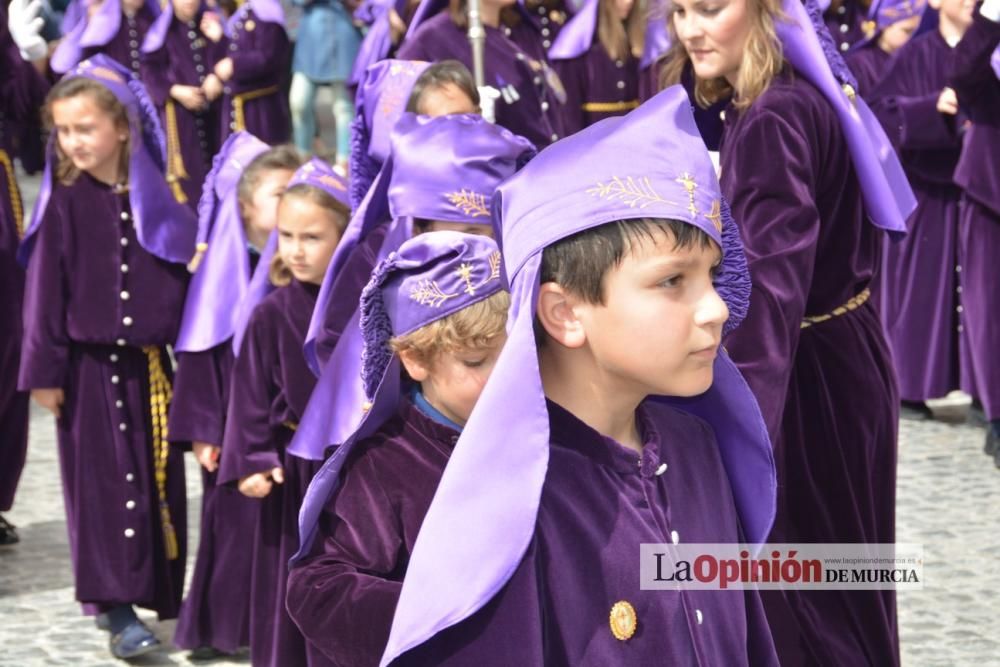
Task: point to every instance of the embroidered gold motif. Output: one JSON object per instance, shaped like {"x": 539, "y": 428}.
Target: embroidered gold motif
{"x": 494, "y": 267}
{"x": 690, "y": 186}
{"x": 632, "y": 192}
{"x": 428, "y": 293}
{"x": 465, "y": 273}
{"x": 623, "y": 620}
{"x": 469, "y": 202}
{"x": 716, "y": 215}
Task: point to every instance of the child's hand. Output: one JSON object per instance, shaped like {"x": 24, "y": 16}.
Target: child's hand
{"x": 190, "y": 96}
{"x": 207, "y": 455}
{"x": 259, "y": 484}
{"x": 948, "y": 102}
{"x": 211, "y": 26}
{"x": 211, "y": 87}
{"x": 224, "y": 69}
{"x": 50, "y": 399}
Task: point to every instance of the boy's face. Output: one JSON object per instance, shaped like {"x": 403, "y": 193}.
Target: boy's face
{"x": 307, "y": 236}
{"x": 452, "y": 380}
{"x": 659, "y": 329}
{"x": 898, "y": 34}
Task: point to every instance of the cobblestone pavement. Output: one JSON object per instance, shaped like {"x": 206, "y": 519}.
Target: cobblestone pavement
{"x": 948, "y": 497}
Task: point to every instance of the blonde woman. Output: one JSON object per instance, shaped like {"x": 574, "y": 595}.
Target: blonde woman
{"x": 796, "y": 138}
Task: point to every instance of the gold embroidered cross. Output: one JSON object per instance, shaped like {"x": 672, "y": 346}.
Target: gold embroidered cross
{"x": 428, "y": 293}
{"x": 465, "y": 273}
{"x": 469, "y": 202}
{"x": 688, "y": 182}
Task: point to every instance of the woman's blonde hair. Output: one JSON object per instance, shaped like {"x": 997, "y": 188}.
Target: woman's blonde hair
{"x": 475, "y": 327}
{"x": 279, "y": 274}
{"x": 762, "y": 59}
{"x": 106, "y": 101}
{"x": 621, "y": 38}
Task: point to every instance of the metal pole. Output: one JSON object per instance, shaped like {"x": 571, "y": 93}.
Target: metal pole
{"x": 477, "y": 38}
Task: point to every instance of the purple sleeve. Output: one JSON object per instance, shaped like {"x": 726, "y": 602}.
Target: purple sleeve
{"x": 249, "y": 444}
{"x": 155, "y": 68}
{"x": 198, "y": 410}
{"x": 508, "y": 630}
{"x": 972, "y": 75}
{"x": 343, "y": 598}
{"x": 269, "y": 54}
{"x": 776, "y": 211}
{"x": 573, "y": 74}
{"x": 45, "y": 346}
{"x": 910, "y": 121}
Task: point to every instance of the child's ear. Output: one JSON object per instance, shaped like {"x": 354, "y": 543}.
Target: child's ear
{"x": 557, "y": 314}
{"x": 416, "y": 366}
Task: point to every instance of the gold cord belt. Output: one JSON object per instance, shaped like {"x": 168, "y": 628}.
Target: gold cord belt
{"x": 852, "y": 304}
{"x": 610, "y": 107}
{"x": 239, "y": 119}
{"x": 160, "y": 395}
{"x": 15, "y": 194}
{"x": 175, "y": 160}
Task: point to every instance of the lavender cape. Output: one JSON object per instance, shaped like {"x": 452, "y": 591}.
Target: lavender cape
{"x": 445, "y": 169}
{"x": 498, "y": 468}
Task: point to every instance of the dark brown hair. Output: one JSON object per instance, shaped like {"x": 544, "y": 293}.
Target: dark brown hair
{"x": 106, "y": 101}
{"x": 439, "y": 75}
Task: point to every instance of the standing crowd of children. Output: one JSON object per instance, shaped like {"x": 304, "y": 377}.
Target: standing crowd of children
{"x": 442, "y": 386}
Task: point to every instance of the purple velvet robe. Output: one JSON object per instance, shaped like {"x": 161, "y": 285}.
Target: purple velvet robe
{"x": 22, "y": 92}
{"x": 346, "y": 292}
{"x": 978, "y": 173}
{"x": 869, "y": 64}
{"x": 260, "y": 51}
{"x": 599, "y": 503}
{"x": 525, "y": 107}
{"x": 917, "y": 283}
{"x": 343, "y": 597}
{"x": 124, "y": 46}
{"x": 94, "y": 298}
{"x": 185, "y": 59}
{"x": 216, "y": 611}
{"x": 546, "y": 18}
{"x": 597, "y": 87}
{"x": 271, "y": 384}
{"x": 844, "y": 20}
{"x": 827, "y": 392}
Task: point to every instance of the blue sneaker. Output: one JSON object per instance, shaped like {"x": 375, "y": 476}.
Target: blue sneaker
{"x": 102, "y": 622}
{"x": 135, "y": 640}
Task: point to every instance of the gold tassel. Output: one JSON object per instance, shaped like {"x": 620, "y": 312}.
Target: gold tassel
{"x": 160, "y": 395}
{"x": 175, "y": 160}
{"x": 239, "y": 117}
{"x": 15, "y": 194}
